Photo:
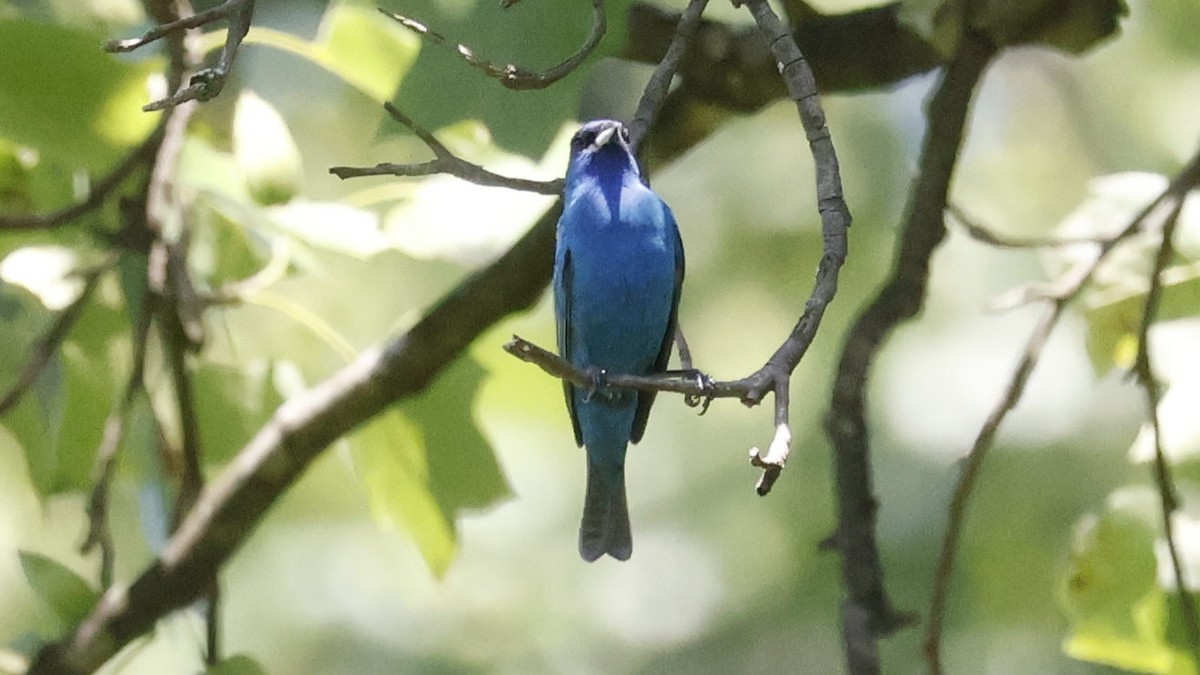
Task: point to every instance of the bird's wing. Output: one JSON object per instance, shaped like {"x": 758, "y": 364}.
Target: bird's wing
{"x": 562, "y": 311}
{"x": 646, "y": 398}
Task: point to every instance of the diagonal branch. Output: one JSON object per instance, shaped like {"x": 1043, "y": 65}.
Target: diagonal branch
{"x": 1067, "y": 289}
{"x": 445, "y": 162}
{"x": 510, "y": 75}
{"x": 1168, "y": 495}
{"x": 97, "y": 195}
{"x": 47, "y": 346}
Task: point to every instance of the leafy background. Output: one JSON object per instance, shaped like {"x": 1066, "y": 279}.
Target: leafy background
{"x": 441, "y": 537}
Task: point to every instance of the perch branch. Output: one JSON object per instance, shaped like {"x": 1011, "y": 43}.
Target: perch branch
{"x": 1067, "y": 289}
{"x": 510, "y": 75}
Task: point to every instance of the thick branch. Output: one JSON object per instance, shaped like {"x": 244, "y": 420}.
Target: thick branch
{"x": 236, "y": 500}
{"x": 868, "y": 612}
{"x": 730, "y": 68}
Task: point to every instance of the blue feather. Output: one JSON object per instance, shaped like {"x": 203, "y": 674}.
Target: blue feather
{"x": 618, "y": 269}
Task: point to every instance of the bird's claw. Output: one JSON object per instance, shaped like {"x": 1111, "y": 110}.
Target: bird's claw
{"x": 707, "y": 385}
{"x": 599, "y": 378}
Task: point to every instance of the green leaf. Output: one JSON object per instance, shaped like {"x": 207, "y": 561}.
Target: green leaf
{"x": 238, "y": 664}
{"x": 392, "y": 460}
{"x": 1116, "y": 609}
{"x": 68, "y": 596}
{"x": 62, "y": 95}
{"x": 265, "y": 151}
{"x": 425, "y": 462}
{"x": 331, "y": 226}
{"x": 232, "y": 404}
{"x": 462, "y": 464}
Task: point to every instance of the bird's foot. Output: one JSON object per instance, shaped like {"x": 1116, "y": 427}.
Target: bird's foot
{"x": 599, "y": 378}
{"x": 707, "y": 385}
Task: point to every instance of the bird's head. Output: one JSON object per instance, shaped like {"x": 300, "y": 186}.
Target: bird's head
{"x": 601, "y": 147}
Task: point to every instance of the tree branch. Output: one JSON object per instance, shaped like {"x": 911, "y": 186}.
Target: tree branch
{"x": 445, "y": 162}
{"x": 209, "y": 82}
{"x": 510, "y": 75}
{"x": 97, "y": 194}
{"x": 1067, "y": 289}
{"x": 868, "y": 613}
{"x": 48, "y": 345}
{"x": 1144, "y": 369}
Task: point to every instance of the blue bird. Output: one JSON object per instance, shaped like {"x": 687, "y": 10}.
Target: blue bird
{"x": 618, "y": 269}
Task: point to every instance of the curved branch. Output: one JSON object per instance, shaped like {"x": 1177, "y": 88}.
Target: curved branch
{"x": 775, "y": 375}
{"x": 510, "y": 75}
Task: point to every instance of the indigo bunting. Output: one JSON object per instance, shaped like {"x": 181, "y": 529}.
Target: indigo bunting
{"x": 618, "y": 269}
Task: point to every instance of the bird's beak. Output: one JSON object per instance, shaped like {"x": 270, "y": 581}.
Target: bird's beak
{"x": 605, "y": 136}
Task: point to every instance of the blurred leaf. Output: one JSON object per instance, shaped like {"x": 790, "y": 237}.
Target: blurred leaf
{"x": 423, "y": 465}
{"x": 62, "y": 95}
{"x": 392, "y": 460}
{"x": 364, "y": 48}
{"x": 46, "y": 272}
{"x": 449, "y": 219}
{"x": 232, "y": 404}
{"x": 1115, "y": 297}
{"x": 14, "y": 180}
{"x": 239, "y": 664}
{"x": 462, "y": 464}
{"x": 332, "y": 226}
{"x": 1072, "y": 27}
{"x": 68, "y": 596}
{"x": 1116, "y": 609}
{"x": 265, "y": 151}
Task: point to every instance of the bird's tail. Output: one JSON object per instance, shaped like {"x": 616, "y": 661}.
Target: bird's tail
{"x": 605, "y": 524}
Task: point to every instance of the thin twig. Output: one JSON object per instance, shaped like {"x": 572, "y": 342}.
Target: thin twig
{"x": 660, "y": 81}
{"x": 99, "y": 533}
{"x": 97, "y": 194}
{"x": 209, "y": 82}
{"x": 1068, "y": 288}
{"x": 982, "y": 234}
{"x": 1168, "y": 498}
{"x": 510, "y": 75}
{"x": 48, "y": 345}
{"x": 445, "y": 162}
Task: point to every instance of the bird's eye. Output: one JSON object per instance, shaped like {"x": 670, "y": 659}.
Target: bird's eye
{"x": 582, "y": 139}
